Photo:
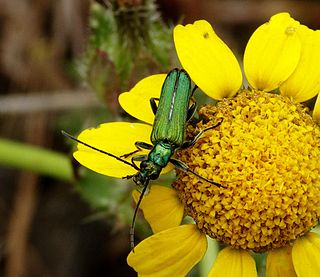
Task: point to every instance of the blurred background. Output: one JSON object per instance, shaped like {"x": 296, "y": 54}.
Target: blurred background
{"x": 62, "y": 66}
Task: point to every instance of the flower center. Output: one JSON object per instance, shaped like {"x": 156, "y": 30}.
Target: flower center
{"x": 265, "y": 154}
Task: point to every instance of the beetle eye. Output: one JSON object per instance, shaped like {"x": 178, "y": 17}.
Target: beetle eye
{"x": 143, "y": 164}
{"x": 154, "y": 176}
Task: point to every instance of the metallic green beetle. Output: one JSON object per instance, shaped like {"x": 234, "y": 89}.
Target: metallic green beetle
{"x": 168, "y": 134}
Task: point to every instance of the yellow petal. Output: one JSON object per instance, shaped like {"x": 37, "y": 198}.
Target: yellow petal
{"x": 272, "y": 53}
{"x": 279, "y": 263}
{"x": 304, "y": 83}
{"x": 208, "y": 60}
{"x": 316, "y": 110}
{"x": 306, "y": 255}
{"x": 136, "y": 102}
{"x": 233, "y": 263}
{"x": 161, "y": 208}
{"x": 172, "y": 252}
{"x": 117, "y": 138}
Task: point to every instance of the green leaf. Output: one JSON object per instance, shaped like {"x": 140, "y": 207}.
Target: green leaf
{"x": 102, "y": 192}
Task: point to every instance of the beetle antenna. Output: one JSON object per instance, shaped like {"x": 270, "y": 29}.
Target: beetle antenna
{"x": 202, "y": 178}
{"x": 99, "y": 150}
{"x": 135, "y": 215}
{"x": 183, "y": 167}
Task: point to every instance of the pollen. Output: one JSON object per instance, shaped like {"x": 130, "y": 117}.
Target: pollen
{"x": 291, "y": 30}
{"x": 265, "y": 155}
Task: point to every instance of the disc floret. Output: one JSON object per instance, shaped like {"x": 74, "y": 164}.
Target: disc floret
{"x": 265, "y": 155}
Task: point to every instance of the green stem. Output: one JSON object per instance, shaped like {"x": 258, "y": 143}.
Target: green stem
{"x": 210, "y": 256}
{"x": 36, "y": 159}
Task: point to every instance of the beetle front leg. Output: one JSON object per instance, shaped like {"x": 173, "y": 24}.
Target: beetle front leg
{"x": 143, "y": 145}
{"x": 140, "y": 145}
{"x": 134, "y": 159}
{"x": 128, "y": 177}
{"x": 139, "y": 158}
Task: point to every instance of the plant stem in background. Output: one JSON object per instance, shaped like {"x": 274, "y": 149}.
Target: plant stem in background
{"x": 35, "y": 159}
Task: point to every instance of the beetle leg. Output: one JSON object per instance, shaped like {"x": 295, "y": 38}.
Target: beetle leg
{"x": 139, "y": 158}
{"x": 191, "y": 111}
{"x": 183, "y": 167}
{"x": 153, "y": 104}
{"x": 128, "y": 176}
{"x": 130, "y": 154}
{"x": 134, "y": 159}
{"x": 140, "y": 145}
{"x": 194, "y": 89}
{"x": 143, "y": 145}
{"x": 189, "y": 143}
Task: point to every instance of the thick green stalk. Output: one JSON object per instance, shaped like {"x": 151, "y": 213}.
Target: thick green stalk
{"x": 206, "y": 263}
{"x": 35, "y": 159}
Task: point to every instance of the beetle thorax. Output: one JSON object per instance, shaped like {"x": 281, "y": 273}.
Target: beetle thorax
{"x": 161, "y": 154}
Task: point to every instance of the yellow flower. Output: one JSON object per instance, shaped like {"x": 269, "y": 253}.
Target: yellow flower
{"x": 265, "y": 154}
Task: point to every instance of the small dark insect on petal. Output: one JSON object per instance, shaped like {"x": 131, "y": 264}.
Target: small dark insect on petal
{"x": 206, "y": 35}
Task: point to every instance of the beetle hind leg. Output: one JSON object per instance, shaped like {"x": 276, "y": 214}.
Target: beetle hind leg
{"x": 189, "y": 143}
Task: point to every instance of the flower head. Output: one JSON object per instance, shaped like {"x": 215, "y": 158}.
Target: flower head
{"x": 264, "y": 154}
